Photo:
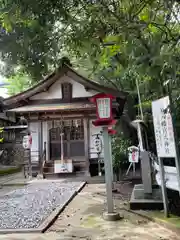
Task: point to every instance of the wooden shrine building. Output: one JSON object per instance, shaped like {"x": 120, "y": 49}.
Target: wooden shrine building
{"x": 60, "y": 104}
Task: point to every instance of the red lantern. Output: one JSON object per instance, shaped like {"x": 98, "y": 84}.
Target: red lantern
{"x": 111, "y": 131}
{"x": 103, "y": 109}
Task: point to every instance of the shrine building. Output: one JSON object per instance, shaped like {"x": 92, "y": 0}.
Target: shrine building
{"x": 60, "y": 104}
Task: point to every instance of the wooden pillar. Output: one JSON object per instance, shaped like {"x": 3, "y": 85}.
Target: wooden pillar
{"x": 40, "y": 138}
{"x": 86, "y": 144}
{"x": 48, "y": 127}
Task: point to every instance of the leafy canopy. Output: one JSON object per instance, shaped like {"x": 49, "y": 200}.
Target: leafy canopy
{"x": 116, "y": 41}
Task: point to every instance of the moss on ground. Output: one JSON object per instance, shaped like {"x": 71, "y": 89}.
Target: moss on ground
{"x": 90, "y": 222}
{"x": 173, "y": 220}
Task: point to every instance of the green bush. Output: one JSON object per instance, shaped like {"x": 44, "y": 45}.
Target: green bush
{"x": 120, "y": 152}
{"x": 10, "y": 170}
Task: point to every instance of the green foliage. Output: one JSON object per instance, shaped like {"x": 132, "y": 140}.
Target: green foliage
{"x": 18, "y": 82}
{"x": 34, "y": 34}
{"x": 10, "y": 170}
{"x": 1, "y": 131}
{"x": 116, "y": 42}
{"x": 120, "y": 152}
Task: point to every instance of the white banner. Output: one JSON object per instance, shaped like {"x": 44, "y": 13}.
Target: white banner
{"x": 163, "y": 128}
{"x": 133, "y": 154}
{"x": 27, "y": 141}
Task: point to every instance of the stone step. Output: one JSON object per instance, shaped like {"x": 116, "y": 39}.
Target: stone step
{"x": 59, "y": 175}
{"x": 49, "y": 164}
{"x": 80, "y": 173}
{"x": 47, "y": 169}
{"x": 64, "y": 175}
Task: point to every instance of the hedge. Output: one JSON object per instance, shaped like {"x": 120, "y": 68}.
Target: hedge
{"x": 10, "y": 170}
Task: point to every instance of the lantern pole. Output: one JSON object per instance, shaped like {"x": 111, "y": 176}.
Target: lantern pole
{"x": 139, "y": 99}
{"x": 108, "y": 175}
{"x": 110, "y": 148}
{"x": 110, "y": 215}
{"x": 105, "y": 119}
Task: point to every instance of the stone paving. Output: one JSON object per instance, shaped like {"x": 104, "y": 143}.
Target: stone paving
{"x": 29, "y": 206}
{"x": 12, "y": 178}
{"x": 82, "y": 220}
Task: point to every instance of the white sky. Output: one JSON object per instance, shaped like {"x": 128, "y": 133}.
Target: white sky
{"x": 3, "y": 90}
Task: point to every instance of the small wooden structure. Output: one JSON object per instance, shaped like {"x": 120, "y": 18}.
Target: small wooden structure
{"x": 60, "y": 104}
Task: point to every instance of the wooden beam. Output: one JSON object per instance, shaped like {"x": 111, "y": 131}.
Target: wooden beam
{"x": 59, "y": 101}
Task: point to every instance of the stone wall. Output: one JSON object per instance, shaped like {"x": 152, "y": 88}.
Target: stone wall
{"x": 13, "y": 151}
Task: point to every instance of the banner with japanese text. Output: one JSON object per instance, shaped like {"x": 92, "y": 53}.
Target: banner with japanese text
{"x": 163, "y": 128}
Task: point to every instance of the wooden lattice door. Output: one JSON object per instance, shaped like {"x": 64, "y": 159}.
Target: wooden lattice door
{"x": 55, "y": 140}
{"x": 76, "y": 138}
{"x": 73, "y": 139}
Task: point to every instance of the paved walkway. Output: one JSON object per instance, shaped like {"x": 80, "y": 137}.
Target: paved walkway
{"x": 82, "y": 220}
{"x": 15, "y": 178}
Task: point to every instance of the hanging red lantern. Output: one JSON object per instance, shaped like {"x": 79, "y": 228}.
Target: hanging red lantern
{"x": 103, "y": 109}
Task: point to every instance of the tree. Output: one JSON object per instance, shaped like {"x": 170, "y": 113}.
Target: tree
{"x": 116, "y": 42}
{"x": 120, "y": 41}
{"x": 18, "y": 82}
{"x": 39, "y": 30}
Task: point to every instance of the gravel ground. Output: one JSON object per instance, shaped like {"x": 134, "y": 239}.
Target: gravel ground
{"x": 29, "y": 206}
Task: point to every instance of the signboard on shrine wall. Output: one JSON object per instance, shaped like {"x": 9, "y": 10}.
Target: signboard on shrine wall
{"x": 163, "y": 128}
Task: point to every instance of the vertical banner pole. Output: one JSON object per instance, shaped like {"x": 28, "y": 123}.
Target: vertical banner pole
{"x": 163, "y": 187}
{"x": 140, "y": 137}
{"x": 108, "y": 174}
{"x": 177, "y": 155}
{"x": 139, "y": 99}
{"x": 134, "y": 169}
{"x": 165, "y": 141}
{"x": 129, "y": 168}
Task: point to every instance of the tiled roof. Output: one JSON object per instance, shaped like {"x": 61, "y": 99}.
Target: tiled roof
{"x": 62, "y": 71}
{"x": 53, "y": 107}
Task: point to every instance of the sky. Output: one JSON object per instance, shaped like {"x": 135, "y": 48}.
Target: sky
{"x": 3, "y": 90}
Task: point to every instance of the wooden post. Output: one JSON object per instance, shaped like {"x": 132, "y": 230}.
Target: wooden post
{"x": 48, "y": 127}
{"x": 86, "y": 143}
{"x": 44, "y": 150}
{"x": 40, "y": 142}
{"x": 62, "y": 148}
{"x": 43, "y": 157}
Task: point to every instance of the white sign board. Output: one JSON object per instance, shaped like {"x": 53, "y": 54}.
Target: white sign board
{"x": 97, "y": 142}
{"x": 133, "y": 154}
{"x": 163, "y": 128}
{"x": 26, "y": 142}
{"x": 103, "y": 105}
{"x": 60, "y": 167}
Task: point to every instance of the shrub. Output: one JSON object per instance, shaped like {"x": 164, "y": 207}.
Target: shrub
{"x": 9, "y": 170}
{"x": 120, "y": 152}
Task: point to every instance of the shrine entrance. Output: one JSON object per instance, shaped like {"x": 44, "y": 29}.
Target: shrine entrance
{"x": 73, "y": 139}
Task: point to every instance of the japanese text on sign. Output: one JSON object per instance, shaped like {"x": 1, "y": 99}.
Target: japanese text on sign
{"x": 133, "y": 154}
{"x": 163, "y": 128}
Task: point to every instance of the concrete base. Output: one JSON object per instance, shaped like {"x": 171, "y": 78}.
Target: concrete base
{"x": 111, "y": 216}
{"x": 142, "y": 200}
